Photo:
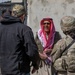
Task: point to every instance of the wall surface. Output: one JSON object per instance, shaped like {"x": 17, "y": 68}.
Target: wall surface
{"x": 13, "y": 1}
{"x": 56, "y": 9}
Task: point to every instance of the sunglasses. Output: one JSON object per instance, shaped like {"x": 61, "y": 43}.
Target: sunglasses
{"x": 46, "y": 23}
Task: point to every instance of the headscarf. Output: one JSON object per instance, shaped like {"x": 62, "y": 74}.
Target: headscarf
{"x": 46, "y": 43}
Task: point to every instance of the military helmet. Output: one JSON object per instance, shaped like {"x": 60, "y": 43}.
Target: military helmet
{"x": 18, "y": 10}
{"x": 67, "y": 23}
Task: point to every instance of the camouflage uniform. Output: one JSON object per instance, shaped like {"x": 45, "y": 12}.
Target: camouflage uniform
{"x": 63, "y": 54}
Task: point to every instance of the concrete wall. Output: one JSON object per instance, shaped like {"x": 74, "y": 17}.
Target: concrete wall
{"x": 56, "y": 9}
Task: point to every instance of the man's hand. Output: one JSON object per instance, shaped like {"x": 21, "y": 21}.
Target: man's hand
{"x": 47, "y": 50}
{"x": 43, "y": 56}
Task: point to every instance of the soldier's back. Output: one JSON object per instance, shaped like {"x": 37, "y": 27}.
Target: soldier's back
{"x": 61, "y": 55}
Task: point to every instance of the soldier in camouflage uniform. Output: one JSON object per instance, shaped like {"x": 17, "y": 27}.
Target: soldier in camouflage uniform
{"x": 63, "y": 54}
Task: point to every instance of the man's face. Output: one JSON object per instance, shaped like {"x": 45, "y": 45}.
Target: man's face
{"x": 46, "y": 25}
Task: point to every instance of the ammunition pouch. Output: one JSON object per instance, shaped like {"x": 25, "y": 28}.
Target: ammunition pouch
{"x": 60, "y": 64}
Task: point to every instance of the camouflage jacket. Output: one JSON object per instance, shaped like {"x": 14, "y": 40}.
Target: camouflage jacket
{"x": 60, "y": 47}
{"x": 68, "y": 55}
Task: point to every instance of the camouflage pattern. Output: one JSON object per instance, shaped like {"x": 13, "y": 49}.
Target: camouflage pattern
{"x": 64, "y": 62}
{"x": 67, "y": 23}
{"x": 63, "y": 57}
{"x": 18, "y": 10}
{"x": 71, "y": 60}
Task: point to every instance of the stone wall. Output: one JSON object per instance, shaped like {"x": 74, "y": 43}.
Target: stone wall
{"x": 56, "y": 9}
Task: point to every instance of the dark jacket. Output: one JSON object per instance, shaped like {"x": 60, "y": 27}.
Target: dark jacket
{"x": 17, "y": 46}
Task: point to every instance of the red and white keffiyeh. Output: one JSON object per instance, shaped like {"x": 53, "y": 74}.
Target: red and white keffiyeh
{"x": 46, "y": 43}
